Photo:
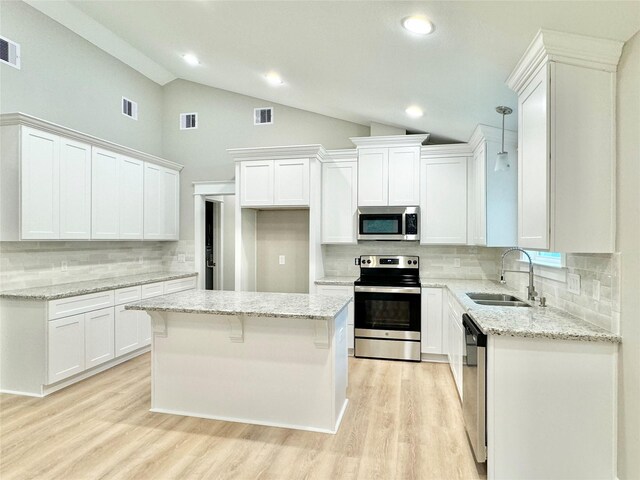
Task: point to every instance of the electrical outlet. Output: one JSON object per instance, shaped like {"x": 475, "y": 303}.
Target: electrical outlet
{"x": 573, "y": 283}
{"x": 140, "y": 259}
{"x": 281, "y": 259}
{"x": 596, "y": 290}
{"x": 456, "y": 262}
{"x": 181, "y": 258}
{"x": 63, "y": 266}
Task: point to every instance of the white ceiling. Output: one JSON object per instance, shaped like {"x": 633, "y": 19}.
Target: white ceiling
{"x": 353, "y": 60}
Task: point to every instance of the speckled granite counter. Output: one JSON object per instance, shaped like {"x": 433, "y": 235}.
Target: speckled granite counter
{"x": 343, "y": 281}
{"x": 280, "y": 305}
{"x": 63, "y": 290}
{"x": 535, "y": 321}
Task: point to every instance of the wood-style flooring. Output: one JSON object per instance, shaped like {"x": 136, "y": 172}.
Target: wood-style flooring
{"x": 404, "y": 421}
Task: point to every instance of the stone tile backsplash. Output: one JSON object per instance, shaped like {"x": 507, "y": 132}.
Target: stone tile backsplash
{"x": 34, "y": 264}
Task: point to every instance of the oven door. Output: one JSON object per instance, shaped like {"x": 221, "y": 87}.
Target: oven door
{"x": 387, "y": 312}
{"x": 381, "y": 226}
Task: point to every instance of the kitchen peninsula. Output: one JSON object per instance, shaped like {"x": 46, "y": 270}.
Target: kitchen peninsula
{"x": 263, "y": 358}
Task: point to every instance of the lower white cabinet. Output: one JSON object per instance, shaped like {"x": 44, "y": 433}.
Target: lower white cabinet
{"x": 66, "y": 347}
{"x": 341, "y": 290}
{"x": 98, "y": 337}
{"x": 431, "y": 328}
{"x": 127, "y": 330}
{"x": 455, "y": 340}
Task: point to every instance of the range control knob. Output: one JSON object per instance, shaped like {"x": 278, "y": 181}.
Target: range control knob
{"x": 368, "y": 261}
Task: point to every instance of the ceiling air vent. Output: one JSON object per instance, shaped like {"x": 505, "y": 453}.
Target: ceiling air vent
{"x": 263, "y": 116}
{"x": 9, "y": 52}
{"x": 188, "y": 121}
{"x": 129, "y": 108}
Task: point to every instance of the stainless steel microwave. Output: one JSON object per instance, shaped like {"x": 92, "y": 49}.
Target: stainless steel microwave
{"x": 388, "y": 223}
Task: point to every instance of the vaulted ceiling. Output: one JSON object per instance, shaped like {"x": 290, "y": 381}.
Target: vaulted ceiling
{"x": 347, "y": 59}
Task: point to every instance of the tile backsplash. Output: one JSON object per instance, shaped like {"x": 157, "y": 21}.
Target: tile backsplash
{"x": 33, "y": 264}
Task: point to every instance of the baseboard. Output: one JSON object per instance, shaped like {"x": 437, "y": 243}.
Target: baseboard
{"x": 434, "y": 358}
{"x": 24, "y": 394}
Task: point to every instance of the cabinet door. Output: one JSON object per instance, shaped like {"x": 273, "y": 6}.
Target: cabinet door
{"x": 431, "y": 341}
{"x": 66, "y": 347}
{"x": 131, "y": 198}
{"x": 373, "y": 177}
{"x": 533, "y": 164}
{"x": 171, "y": 206}
{"x": 404, "y": 176}
{"x": 104, "y": 195}
{"x": 40, "y": 185}
{"x": 98, "y": 335}
{"x": 256, "y": 183}
{"x": 127, "y": 332}
{"x": 144, "y": 328}
{"x": 153, "y": 202}
{"x": 75, "y": 190}
{"x": 459, "y": 349}
{"x": 443, "y": 202}
{"x": 479, "y": 196}
{"x": 291, "y": 182}
{"x": 339, "y": 202}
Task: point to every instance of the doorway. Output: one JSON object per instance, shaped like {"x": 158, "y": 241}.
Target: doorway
{"x": 209, "y": 241}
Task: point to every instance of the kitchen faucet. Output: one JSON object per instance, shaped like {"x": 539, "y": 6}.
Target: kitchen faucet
{"x": 531, "y": 291}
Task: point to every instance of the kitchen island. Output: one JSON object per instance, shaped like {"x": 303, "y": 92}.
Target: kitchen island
{"x": 262, "y": 358}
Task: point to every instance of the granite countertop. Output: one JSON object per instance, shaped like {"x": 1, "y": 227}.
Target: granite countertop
{"x": 534, "y": 322}
{"x": 63, "y": 290}
{"x": 346, "y": 281}
{"x": 217, "y": 302}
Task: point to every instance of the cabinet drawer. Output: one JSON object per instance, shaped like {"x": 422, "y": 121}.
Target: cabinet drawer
{"x": 179, "y": 285}
{"x": 65, "y": 307}
{"x": 128, "y": 295}
{"x": 152, "y": 290}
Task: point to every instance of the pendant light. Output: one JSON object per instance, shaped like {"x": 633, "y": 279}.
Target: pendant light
{"x": 502, "y": 159}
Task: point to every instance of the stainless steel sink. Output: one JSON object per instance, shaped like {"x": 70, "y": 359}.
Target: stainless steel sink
{"x": 497, "y": 300}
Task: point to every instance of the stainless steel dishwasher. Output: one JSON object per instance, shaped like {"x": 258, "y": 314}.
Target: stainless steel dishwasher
{"x": 474, "y": 382}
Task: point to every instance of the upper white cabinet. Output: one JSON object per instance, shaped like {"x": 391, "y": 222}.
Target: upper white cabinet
{"x": 274, "y": 183}
{"x": 388, "y": 170}
{"x": 340, "y": 197}
{"x": 443, "y": 196}
{"x": 493, "y": 195}
{"x": 566, "y": 143}
{"x": 161, "y": 202}
{"x": 60, "y": 184}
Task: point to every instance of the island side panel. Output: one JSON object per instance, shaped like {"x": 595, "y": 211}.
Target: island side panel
{"x": 341, "y": 366}
{"x": 551, "y": 407}
{"x": 277, "y": 375}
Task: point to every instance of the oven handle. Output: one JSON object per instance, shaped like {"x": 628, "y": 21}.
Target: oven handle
{"x": 410, "y": 290}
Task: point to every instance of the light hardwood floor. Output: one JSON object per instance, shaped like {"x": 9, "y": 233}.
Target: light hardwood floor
{"x": 404, "y": 421}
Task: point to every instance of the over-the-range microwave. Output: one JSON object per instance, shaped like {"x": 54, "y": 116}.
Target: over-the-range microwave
{"x": 388, "y": 223}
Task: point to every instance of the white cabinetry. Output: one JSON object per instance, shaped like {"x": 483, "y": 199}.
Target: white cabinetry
{"x": 66, "y": 347}
{"x": 130, "y": 198}
{"x": 274, "y": 183}
{"x": 104, "y": 195}
{"x": 443, "y": 196}
{"x": 98, "y": 337}
{"x": 340, "y": 199}
{"x": 566, "y": 143}
{"x": 431, "y": 329}
{"x": 493, "y": 196}
{"x": 344, "y": 291}
{"x": 455, "y": 340}
{"x": 75, "y": 190}
{"x": 161, "y": 202}
{"x": 388, "y": 170}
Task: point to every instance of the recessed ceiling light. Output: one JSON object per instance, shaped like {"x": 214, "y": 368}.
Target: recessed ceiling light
{"x": 418, "y": 24}
{"x": 273, "y": 78}
{"x": 414, "y": 111}
{"x": 191, "y": 59}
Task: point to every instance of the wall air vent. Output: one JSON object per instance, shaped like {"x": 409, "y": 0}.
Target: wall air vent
{"x": 129, "y": 108}
{"x": 188, "y": 121}
{"x": 263, "y": 116}
{"x": 9, "y": 52}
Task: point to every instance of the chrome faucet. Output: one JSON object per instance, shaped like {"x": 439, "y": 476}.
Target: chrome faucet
{"x": 531, "y": 291}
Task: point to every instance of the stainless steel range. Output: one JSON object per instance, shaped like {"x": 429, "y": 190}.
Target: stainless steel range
{"x": 387, "y": 308}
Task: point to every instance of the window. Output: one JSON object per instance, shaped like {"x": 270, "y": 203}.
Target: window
{"x": 547, "y": 259}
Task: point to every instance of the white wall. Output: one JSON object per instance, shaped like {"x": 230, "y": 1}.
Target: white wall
{"x": 69, "y": 81}
{"x": 628, "y": 148}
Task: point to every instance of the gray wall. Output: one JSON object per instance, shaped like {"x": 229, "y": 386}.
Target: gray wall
{"x": 69, "y": 81}
{"x": 628, "y": 147}
{"x": 226, "y": 121}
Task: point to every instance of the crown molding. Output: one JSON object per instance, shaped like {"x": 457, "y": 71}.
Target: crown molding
{"x": 94, "y": 32}
{"x": 278, "y": 153}
{"x": 342, "y": 155}
{"x": 391, "y": 141}
{"x": 449, "y": 150}
{"x": 8, "y": 119}
{"x": 491, "y": 134}
{"x": 569, "y": 48}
